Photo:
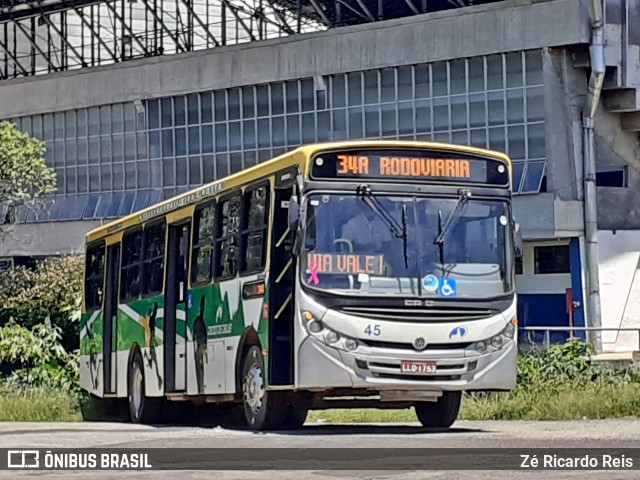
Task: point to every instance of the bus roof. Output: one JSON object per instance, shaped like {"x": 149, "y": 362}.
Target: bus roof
{"x": 299, "y": 156}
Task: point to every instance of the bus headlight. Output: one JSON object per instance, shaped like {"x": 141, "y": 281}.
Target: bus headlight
{"x": 498, "y": 341}
{"x": 350, "y": 344}
{"x": 314, "y": 326}
{"x": 331, "y": 337}
{"x": 510, "y": 330}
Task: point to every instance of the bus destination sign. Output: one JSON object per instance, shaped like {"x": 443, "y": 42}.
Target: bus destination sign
{"x": 407, "y": 165}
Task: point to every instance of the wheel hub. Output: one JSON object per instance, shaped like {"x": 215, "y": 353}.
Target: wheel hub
{"x": 254, "y": 388}
{"x": 136, "y": 390}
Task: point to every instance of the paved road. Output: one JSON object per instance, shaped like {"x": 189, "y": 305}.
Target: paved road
{"x": 465, "y": 434}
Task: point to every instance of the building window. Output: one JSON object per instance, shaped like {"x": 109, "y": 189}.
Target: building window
{"x": 612, "y": 177}
{"x": 554, "y": 259}
{"x": 204, "y": 236}
{"x": 175, "y": 143}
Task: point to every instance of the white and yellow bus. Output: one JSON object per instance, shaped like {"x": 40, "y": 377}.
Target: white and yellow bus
{"x": 355, "y": 274}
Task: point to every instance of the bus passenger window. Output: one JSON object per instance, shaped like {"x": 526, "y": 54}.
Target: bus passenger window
{"x": 94, "y": 278}
{"x": 254, "y": 233}
{"x": 228, "y": 238}
{"x": 203, "y": 241}
{"x": 153, "y": 263}
{"x": 130, "y": 272}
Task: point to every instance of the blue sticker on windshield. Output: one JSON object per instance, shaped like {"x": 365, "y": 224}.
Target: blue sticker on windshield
{"x": 448, "y": 287}
{"x": 430, "y": 283}
{"x": 190, "y": 300}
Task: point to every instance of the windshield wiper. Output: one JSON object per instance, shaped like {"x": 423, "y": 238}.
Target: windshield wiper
{"x": 404, "y": 235}
{"x": 398, "y": 231}
{"x": 463, "y": 198}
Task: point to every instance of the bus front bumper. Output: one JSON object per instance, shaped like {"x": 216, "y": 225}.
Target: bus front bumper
{"x": 322, "y": 366}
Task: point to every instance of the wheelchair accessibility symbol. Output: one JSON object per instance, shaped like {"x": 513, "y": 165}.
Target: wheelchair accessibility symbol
{"x": 448, "y": 287}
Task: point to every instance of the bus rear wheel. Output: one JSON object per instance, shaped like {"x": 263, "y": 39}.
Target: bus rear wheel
{"x": 142, "y": 409}
{"x": 263, "y": 410}
{"x": 440, "y": 414}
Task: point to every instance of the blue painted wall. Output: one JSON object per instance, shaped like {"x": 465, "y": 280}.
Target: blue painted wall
{"x": 550, "y": 309}
{"x": 576, "y": 285}
{"x": 543, "y": 310}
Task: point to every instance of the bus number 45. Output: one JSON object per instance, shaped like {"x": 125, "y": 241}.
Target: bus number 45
{"x": 372, "y": 331}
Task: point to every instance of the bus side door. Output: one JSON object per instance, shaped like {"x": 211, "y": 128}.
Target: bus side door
{"x": 110, "y": 318}
{"x": 282, "y": 285}
{"x": 176, "y": 307}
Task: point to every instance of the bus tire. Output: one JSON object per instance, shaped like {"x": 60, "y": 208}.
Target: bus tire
{"x": 142, "y": 409}
{"x": 263, "y": 410}
{"x": 295, "y": 417}
{"x": 440, "y": 414}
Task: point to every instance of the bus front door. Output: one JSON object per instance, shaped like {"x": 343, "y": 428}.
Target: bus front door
{"x": 175, "y": 307}
{"x": 110, "y": 315}
{"x": 281, "y": 292}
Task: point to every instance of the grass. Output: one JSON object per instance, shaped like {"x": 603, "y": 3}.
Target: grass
{"x": 38, "y": 407}
{"x": 593, "y": 401}
{"x": 361, "y": 415}
{"x": 566, "y": 402}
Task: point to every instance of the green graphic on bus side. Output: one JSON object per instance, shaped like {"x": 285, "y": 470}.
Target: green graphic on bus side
{"x": 210, "y": 314}
{"x": 91, "y": 328}
{"x": 139, "y": 322}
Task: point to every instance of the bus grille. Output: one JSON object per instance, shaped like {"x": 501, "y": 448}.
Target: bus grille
{"x": 408, "y": 346}
{"x": 419, "y": 378}
{"x": 420, "y": 315}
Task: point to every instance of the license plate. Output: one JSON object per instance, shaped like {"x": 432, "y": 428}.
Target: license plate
{"x": 417, "y": 368}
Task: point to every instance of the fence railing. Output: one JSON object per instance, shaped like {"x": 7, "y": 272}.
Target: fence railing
{"x": 532, "y": 337}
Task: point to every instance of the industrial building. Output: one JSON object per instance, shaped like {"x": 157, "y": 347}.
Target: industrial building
{"x": 137, "y": 100}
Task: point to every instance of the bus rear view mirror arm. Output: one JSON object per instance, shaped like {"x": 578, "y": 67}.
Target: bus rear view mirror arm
{"x": 296, "y": 221}
{"x": 294, "y": 204}
{"x": 294, "y": 213}
{"x": 517, "y": 239}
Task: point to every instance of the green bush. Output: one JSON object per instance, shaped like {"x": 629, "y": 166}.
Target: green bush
{"x": 36, "y": 360}
{"x": 567, "y": 363}
{"x": 52, "y": 290}
{"x": 560, "y": 383}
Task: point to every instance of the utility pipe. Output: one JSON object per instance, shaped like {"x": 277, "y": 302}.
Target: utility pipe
{"x": 596, "y": 79}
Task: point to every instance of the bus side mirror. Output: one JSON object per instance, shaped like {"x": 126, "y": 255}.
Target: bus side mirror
{"x": 517, "y": 239}
{"x": 294, "y": 213}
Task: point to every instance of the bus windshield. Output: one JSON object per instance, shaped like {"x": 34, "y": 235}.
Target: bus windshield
{"x": 375, "y": 244}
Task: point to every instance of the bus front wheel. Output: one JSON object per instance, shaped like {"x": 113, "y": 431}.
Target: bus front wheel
{"x": 440, "y": 414}
{"x": 142, "y": 409}
{"x": 263, "y": 410}
{"x": 295, "y": 417}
